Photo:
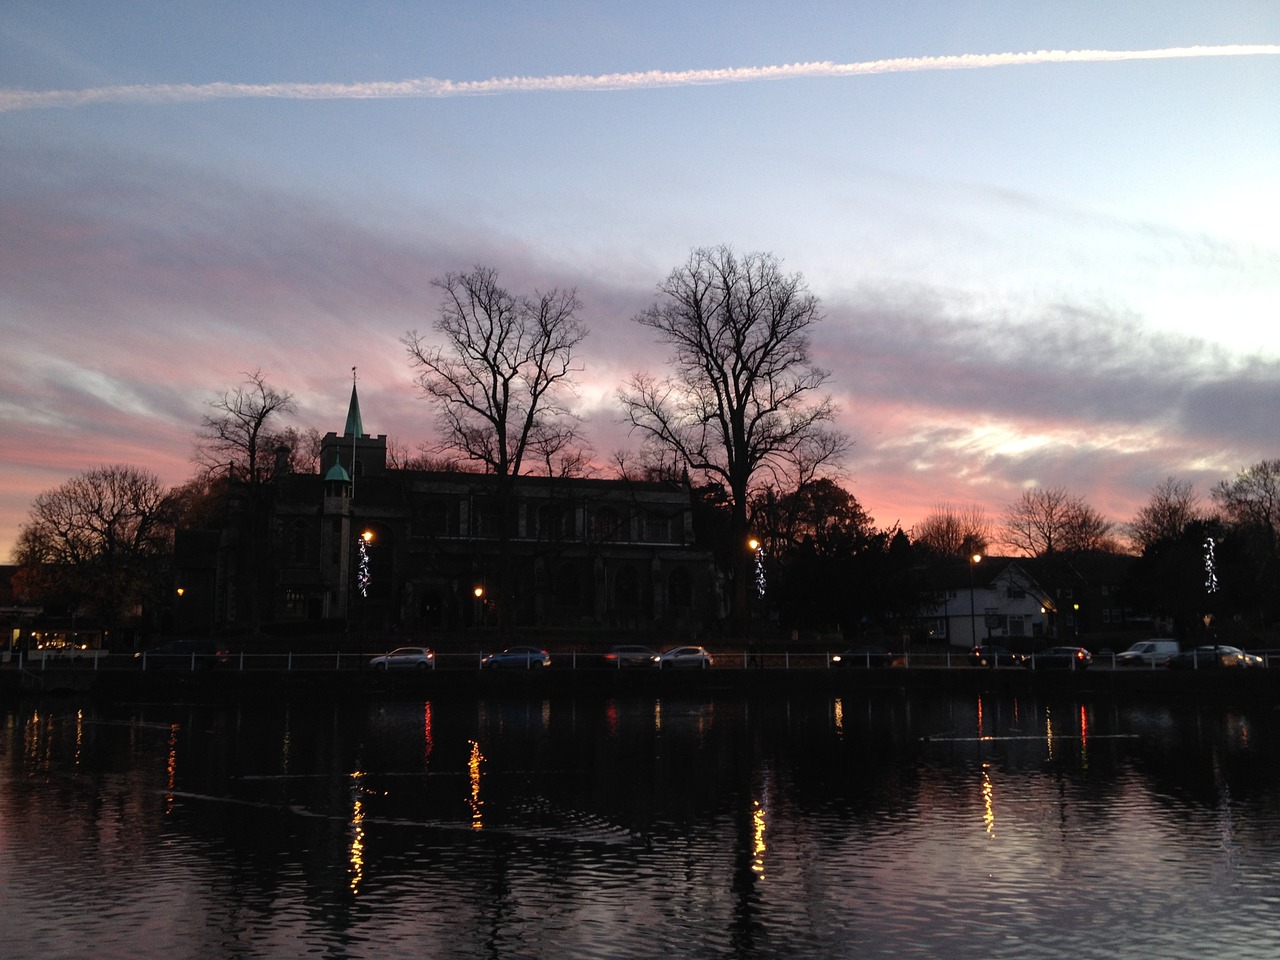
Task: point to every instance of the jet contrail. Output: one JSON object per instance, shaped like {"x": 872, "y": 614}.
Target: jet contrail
{"x": 431, "y": 87}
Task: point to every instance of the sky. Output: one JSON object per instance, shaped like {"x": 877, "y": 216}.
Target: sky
{"x": 1045, "y": 236}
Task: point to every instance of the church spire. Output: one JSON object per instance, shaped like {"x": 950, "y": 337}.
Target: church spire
{"x": 354, "y": 426}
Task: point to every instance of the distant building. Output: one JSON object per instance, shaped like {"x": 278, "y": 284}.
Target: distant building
{"x": 360, "y": 545}
{"x": 993, "y": 599}
{"x": 1022, "y": 601}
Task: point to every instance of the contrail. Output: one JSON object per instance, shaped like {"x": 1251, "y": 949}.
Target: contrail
{"x": 431, "y": 87}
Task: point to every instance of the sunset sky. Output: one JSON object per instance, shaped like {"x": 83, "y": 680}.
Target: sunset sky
{"x": 1035, "y": 268}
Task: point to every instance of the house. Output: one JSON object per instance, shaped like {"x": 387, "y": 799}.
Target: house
{"x": 993, "y": 598}
{"x": 1049, "y": 599}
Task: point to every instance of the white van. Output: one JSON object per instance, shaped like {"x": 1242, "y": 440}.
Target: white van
{"x": 1147, "y": 653}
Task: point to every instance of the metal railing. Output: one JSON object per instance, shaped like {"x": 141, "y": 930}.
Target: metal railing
{"x": 352, "y": 660}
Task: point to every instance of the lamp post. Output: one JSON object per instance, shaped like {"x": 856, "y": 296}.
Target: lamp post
{"x": 479, "y": 595}
{"x": 974, "y": 560}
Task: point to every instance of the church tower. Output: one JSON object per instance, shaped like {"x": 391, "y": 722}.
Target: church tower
{"x": 359, "y": 454}
{"x": 344, "y": 461}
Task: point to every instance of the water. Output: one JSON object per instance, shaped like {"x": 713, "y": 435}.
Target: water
{"x": 865, "y": 826}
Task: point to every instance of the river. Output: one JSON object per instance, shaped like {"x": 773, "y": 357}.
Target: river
{"x": 880, "y": 823}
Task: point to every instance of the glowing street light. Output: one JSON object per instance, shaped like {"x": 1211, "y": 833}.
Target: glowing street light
{"x": 362, "y": 569}
{"x": 974, "y": 560}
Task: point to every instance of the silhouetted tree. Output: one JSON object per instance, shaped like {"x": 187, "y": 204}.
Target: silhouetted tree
{"x": 99, "y": 543}
{"x": 744, "y": 395}
{"x": 1171, "y": 508}
{"x": 820, "y": 513}
{"x": 1250, "y": 507}
{"x": 1046, "y": 521}
{"x": 237, "y": 436}
{"x": 239, "y": 439}
{"x": 499, "y": 380}
{"x": 951, "y": 531}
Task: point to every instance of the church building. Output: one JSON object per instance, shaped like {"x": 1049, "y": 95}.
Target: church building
{"x": 361, "y": 545}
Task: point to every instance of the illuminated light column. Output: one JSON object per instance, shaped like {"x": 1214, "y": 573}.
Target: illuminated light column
{"x": 974, "y": 560}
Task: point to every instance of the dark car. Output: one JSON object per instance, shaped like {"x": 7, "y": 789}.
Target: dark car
{"x": 988, "y": 655}
{"x": 866, "y": 657}
{"x": 1209, "y": 656}
{"x": 521, "y": 658}
{"x": 1060, "y": 658}
{"x": 631, "y": 655}
{"x": 184, "y": 655}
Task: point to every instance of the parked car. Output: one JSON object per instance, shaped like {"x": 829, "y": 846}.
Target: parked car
{"x": 405, "y": 658}
{"x": 987, "y": 655}
{"x": 1147, "y": 653}
{"x": 1060, "y": 658}
{"x": 695, "y": 657}
{"x": 1208, "y": 656}
{"x": 184, "y": 655}
{"x": 523, "y": 658}
{"x": 631, "y": 655}
{"x": 868, "y": 656}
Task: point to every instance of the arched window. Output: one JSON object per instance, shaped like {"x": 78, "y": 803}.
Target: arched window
{"x": 568, "y": 585}
{"x": 608, "y": 525}
{"x": 657, "y": 528}
{"x": 555, "y": 521}
{"x": 680, "y": 588}
{"x": 626, "y": 588}
{"x": 298, "y": 540}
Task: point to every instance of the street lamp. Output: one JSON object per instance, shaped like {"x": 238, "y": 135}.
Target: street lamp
{"x": 974, "y": 560}
{"x": 479, "y": 595}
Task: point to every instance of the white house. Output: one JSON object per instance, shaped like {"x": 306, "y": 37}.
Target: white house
{"x": 994, "y": 598}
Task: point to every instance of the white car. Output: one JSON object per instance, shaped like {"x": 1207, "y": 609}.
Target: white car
{"x": 1149, "y": 653}
{"x": 696, "y": 657}
{"x": 405, "y": 658}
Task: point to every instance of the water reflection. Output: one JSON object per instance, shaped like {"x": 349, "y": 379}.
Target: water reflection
{"x": 473, "y": 777}
{"x": 860, "y": 826}
{"x": 357, "y": 831}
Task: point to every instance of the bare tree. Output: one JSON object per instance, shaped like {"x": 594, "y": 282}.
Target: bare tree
{"x": 1044, "y": 521}
{"x": 1172, "y": 507}
{"x": 301, "y": 449}
{"x": 1253, "y": 497}
{"x": 238, "y": 438}
{"x": 499, "y": 381}
{"x": 1250, "y": 503}
{"x": 100, "y": 539}
{"x": 744, "y": 399}
{"x": 237, "y": 435}
{"x": 951, "y": 531}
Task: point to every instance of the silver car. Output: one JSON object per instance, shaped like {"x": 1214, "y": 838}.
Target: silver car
{"x": 405, "y": 658}
{"x": 695, "y": 657}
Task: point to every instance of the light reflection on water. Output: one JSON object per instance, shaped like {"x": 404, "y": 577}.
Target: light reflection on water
{"x": 867, "y": 825}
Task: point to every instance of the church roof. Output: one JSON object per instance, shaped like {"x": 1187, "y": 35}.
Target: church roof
{"x": 339, "y": 473}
